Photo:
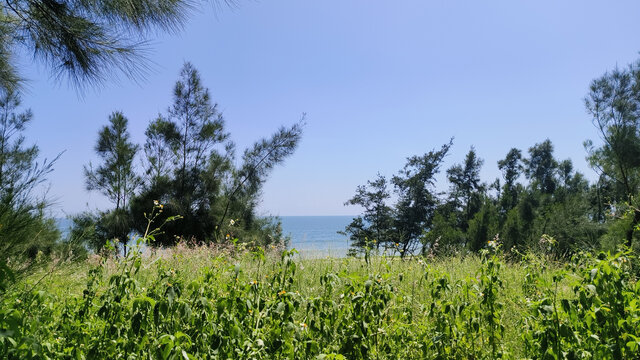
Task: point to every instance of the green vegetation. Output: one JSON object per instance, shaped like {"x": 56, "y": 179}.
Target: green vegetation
{"x": 84, "y": 41}
{"x": 25, "y": 231}
{"x": 190, "y": 167}
{"x": 538, "y": 264}
{"x": 226, "y": 303}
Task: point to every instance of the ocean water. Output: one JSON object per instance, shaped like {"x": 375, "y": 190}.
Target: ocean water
{"x": 317, "y": 236}
{"x": 312, "y": 236}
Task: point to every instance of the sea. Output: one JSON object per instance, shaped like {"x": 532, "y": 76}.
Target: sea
{"x": 317, "y": 236}
{"x": 311, "y": 236}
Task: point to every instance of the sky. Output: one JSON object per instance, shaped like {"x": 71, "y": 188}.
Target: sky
{"x": 379, "y": 81}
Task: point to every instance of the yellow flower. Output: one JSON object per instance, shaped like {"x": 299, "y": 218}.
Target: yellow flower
{"x": 156, "y": 203}
{"x": 282, "y": 292}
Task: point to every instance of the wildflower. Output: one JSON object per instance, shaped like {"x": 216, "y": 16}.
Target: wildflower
{"x": 303, "y": 326}
{"x": 232, "y": 222}
{"x": 250, "y": 311}
{"x": 156, "y": 203}
{"x": 397, "y": 244}
{"x": 228, "y": 237}
{"x": 282, "y": 292}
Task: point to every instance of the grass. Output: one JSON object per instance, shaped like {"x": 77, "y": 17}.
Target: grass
{"x": 220, "y": 303}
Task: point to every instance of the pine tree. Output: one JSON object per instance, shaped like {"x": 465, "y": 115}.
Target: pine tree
{"x": 466, "y": 187}
{"x": 374, "y": 228}
{"x": 417, "y": 199}
{"x": 614, "y": 105}
{"x": 24, "y": 228}
{"x": 84, "y": 40}
{"x": 115, "y": 178}
{"x": 190, "y": 167}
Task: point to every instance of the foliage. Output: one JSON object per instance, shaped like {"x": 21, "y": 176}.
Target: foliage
{"x": 375, "y": 225}
{"x": 210, "y": 304}
{"x": 115, "y": 178}
{"x": 466, "y": 189}
{"x": 600, "y": 321}
{"x": 557, "y": 201}
{"x": 84, "y": 40}
{"x": 190, "y": 168}
{"x": 25, "y": 230}
{"x": 613, "y": 102}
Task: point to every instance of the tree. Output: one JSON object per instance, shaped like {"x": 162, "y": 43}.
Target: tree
{"x": 417, "y": 199}
{"x": 257, "y": 163}
{"x": 466, "y": 187}
{"x": 445, "y": 235}
{"x": 115, "y": 178}
{"x": 198, "y": 127}
{"x": 541, "y": 166}
{"x": 25, "y": 230}
{"x": 483, "y": 226}
{"x": 511, "y": 167}
{"x": 158, "y": 155}
{"x": 84, "y": 40}
{"x": 190, "y": 167}
{"x": 377, "y": 220}
{"x": 613, "y": 103}
{"x": 179, "y": 148}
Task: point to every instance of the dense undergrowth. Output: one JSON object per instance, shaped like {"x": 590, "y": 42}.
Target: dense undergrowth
{"x": 199, "y": 303}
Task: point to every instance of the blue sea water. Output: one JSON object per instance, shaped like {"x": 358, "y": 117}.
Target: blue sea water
{"x": 312, "y": 236}
{"x": 317, "y": 236}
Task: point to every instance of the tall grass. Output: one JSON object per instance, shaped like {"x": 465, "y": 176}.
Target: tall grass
{"x": 208, "y": 302}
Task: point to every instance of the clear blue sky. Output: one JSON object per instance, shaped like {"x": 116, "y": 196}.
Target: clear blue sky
{"x": 379, "y": 80}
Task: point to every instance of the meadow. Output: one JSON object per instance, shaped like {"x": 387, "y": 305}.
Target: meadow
{"x": 235, "y": 303}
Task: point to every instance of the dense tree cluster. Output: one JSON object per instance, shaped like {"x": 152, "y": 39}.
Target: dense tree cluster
{"x": 539, "y": 195}
{"x": 190, "y": 167}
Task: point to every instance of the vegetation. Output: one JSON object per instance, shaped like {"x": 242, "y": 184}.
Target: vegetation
{"x": 190, "y": 167}
{"x": 25, "y": 230}
{"x": 84, "y": 40}
{"x": 556, "y": 200}
{"x": 537, "y": 264}
{"x": 225, "y": 303}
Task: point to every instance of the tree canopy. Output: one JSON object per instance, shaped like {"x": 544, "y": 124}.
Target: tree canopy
{"x": 85, "y": 41}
